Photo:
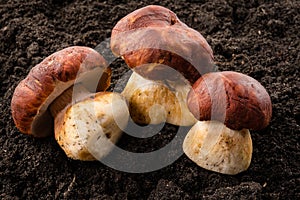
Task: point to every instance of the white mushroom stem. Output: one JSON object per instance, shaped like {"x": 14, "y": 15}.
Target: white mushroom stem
{"x": 88, "y": 125}
{"x": 88, "y": 130}
{"x": 231, "y": 150}
{"x": 154, "y": 102}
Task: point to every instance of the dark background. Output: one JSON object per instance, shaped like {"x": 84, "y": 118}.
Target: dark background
{"x": 256, "y": 37}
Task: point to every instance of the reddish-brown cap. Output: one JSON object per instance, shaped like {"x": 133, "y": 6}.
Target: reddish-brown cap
{"x": 153, "y": 41}
{"x": 48, "y": 80}
{"x": 233, "y": 98}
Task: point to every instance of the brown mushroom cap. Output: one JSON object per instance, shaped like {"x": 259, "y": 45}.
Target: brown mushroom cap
{"x": 48, "y": 80}
{"x": 152, "y": 41}
{"x": 235, "y": 99}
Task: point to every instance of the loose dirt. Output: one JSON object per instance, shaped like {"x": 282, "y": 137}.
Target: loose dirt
{"x": 258, "y": 38}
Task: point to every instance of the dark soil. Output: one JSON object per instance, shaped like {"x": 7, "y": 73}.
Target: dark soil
{"x": 258, "y": 38}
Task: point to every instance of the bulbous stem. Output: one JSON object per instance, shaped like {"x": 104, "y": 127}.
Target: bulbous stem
{"x": 213, "y": 146}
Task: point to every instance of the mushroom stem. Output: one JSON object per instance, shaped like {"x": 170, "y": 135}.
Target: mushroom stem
{"x": 228, "y": 152}
{"x": 72, "y": 94}
{"x": 88, "y": 129}
{"x": 154, "y": 102}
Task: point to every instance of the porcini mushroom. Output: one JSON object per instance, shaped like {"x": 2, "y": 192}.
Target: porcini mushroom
{"x": 159, "y": 47}
{"x": 61, "y": 89}
{"x": 154, "y": 102}
{"x": 48, "y": 80}
{"x": 227, "y": 104}
{"x": 154, "y": 43}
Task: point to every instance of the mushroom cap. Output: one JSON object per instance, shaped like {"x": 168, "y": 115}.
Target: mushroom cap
{"x": 88, "y": 129}
{"x": 48, "y": 80}
{"x": 237, "y": 100}
{"x": 153, "y": 41}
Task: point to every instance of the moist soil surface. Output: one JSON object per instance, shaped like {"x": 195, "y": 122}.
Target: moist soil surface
{"x": 258, "y": 38}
